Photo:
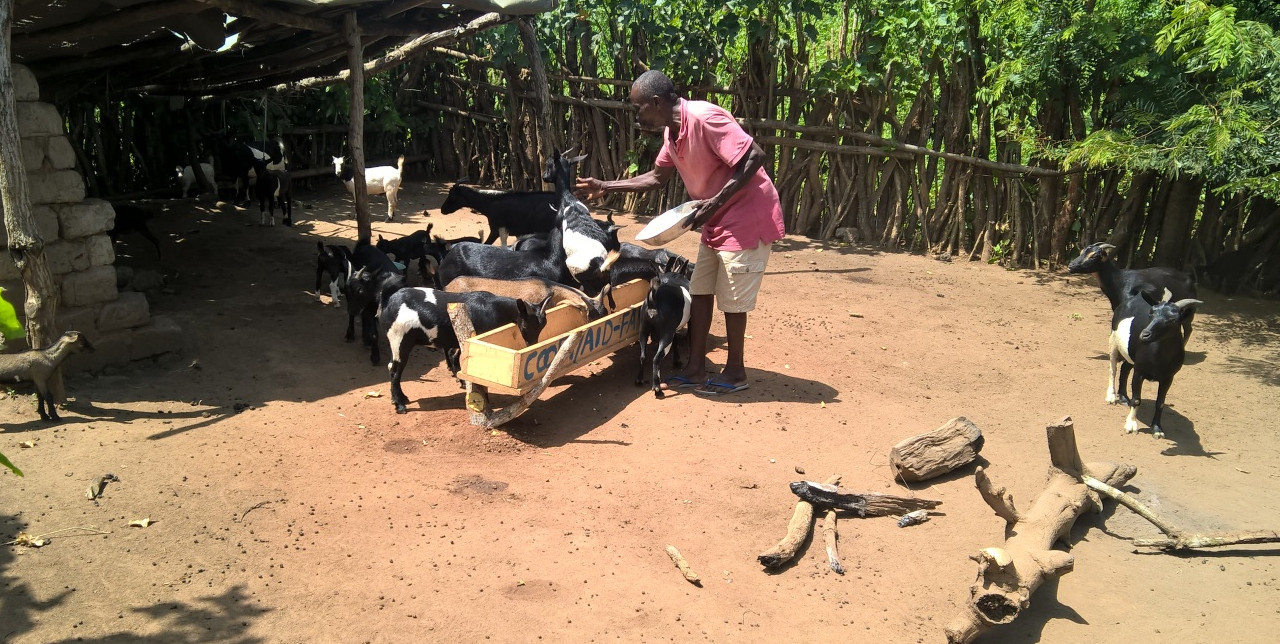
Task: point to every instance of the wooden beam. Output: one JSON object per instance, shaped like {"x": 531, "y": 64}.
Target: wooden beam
{"x": 97, "y": 26}
{"x": 404, "y": 52}
{"x": 475, "y": 116}
{"x": 260, "y": 11}
{"x": 355, "y": 134}
{"x": 832, "y": 148}
{"x": 548, "y": 137}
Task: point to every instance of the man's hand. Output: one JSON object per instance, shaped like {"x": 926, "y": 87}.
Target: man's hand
{"x": 588, "y": 188}
{"x": 702, "y": 213}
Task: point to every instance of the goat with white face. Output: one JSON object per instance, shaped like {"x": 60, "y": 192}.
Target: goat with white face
{"x": 589, "y": 250}
{"x": 1154, "y": 353}
{"x": 383, "y": 179}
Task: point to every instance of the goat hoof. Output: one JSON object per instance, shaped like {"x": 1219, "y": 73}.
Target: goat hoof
{"x": 1130, "y": 427}
{"x": 657, "y": 393}
{"x": 1112, "y": 399}
{"x": 401, "y": 409}
{"x": 1158, "y": 434}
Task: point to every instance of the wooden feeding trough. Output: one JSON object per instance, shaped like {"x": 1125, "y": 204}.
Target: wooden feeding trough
{"x": 496, "y": 360}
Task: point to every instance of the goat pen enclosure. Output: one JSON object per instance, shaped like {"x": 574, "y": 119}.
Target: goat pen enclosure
{"x": 917, "y": 135}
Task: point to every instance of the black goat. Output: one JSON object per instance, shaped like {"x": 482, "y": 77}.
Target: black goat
{"x": 238, "y": 158}
{"x": 1120, "y": 284}
{"x": 509, "y": 212}
{"x": 420, "y": 316}
{"x": 373, "y": 281}
{"x": 589, "y": 249}
{"x": 274, "y": 187}
{"x": 666, "y": 311}
{"x": 635, "y": 262}
{"x": 133, "y": 219}
{"x": 482, "y": 260}
{"x": 408, "y": 248}
{"x": 1155, "y": 353}
{"x": 336, "y": 262}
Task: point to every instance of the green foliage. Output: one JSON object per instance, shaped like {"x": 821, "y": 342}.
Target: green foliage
{"x": 13, "y": 468}
{"x": 10, "y": 327}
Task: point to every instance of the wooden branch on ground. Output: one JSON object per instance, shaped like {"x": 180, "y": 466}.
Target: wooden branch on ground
{"x": 1009, "y": 575}
{"x": 829, "y": 537}
{"x": 679, "y": 560}
{"x": 797, "y": 531}
{"x": 935, "y": 453}
{"x": 863, "y": 504}
{"x": 1179, "y": 539}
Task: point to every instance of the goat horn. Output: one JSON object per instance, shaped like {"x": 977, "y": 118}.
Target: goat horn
{"x": 1182, "y": 304}
{"x": 1106, "y": 247}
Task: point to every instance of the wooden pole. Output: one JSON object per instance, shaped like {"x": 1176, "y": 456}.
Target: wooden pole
{"x": 355, "y": 131}
{"x": 547, "y": 135}
{"x": 25, "y": 245}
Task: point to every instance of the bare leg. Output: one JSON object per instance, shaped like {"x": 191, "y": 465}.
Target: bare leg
{"x": 699, "y": 327}
{"x": 735, "y": 372}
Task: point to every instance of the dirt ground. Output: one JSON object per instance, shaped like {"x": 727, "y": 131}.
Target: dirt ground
{"x": 290, "y": 506}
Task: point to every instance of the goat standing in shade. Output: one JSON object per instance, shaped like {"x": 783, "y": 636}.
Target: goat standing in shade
{"x": 1155, "y": 353}
{"x": 274, "y": 187}
{"x": 1119, "y": 284}
{"x": 383, "y": 179}
{"x": 335, "y": 262}
{"x": 37, "y": 365}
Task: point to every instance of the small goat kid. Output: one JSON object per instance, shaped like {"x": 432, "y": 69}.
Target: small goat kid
{"x": 380, "y": 180}
{"x": 335, "y": 262}
{"x": 420, "y": 316}
{"x": 187, "y": 177}
{"x": 273, "y": 188}
{"x": 37, "y": 365}
{"x": 1155, "y": 353}
{"x": 666, "y": 311}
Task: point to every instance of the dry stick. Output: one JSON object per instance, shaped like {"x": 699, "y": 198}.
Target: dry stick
{"x": 1008, "y": 575}
{"x": 1178, "y": 539}
{"x": 678, "y": 559}
{"x": 797, "y": 531}
{"x": 91, "y": 531}
{"x": 829, "y": 536}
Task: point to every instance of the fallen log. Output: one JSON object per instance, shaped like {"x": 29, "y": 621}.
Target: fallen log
{"x": 935, "y": 453}
{"x": 679, "y": 560}
{"x": 863, "y": 504}
{"x": 797, "y": 531}
{"x": 1009, "y": 575}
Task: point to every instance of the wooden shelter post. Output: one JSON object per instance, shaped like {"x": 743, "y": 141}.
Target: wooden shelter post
{"x": 355, "y": 132}
{"x": 547, "y": 134}
{"x": 25, "y": 244}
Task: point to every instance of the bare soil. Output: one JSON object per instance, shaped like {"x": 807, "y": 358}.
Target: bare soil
{"x": 291, "y": 505}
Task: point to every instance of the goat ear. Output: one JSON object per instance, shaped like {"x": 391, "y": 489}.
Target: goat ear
{"x": 522, "y": 308}
{"x": 1168, "y": 295}
{"x": 1150, "y": 295}
{"x": 320, "y": 247}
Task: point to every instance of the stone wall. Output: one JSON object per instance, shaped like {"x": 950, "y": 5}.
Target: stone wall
{"x": 77, "y": 247}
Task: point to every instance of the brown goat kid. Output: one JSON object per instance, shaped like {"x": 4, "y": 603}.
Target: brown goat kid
{"x": 37, "y": 365}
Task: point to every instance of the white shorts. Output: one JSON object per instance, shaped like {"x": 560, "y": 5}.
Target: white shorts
{"x": 733, "y": 276}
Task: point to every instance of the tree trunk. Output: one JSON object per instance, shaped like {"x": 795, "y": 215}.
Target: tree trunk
{"x": 355, "y": 131}
{"x": 1175, "y": 231}
{"x": 25, "y": 245}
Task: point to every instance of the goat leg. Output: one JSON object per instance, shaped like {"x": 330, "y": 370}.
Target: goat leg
{"x": 397, "y": 373}
{"x": 1125, "y": 370}
{"x": 643, "y": 342}
{"x": 1131, "y": 422}
{"x": 664, "y": 346}
{"x": 1156, "y": 429}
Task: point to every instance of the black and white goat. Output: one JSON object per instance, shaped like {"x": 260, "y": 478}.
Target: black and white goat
{"x": 373, "y": 281}
{"x": 589, "y": 250}
{"x": 635, "y": 262}
{"x": 482, "y": 260}
{"x": 37, "y": 365}
{"x": 1147, "y": 339}
{"x": 273, "y": 188}
{"x": 187, "y": 177}
{"x": 335, "y": 262}
{"x": 666, "y": 311}
{"x": 420, "y": 316}
{"x": 238, "y": 160}
{"x": 383, "y": 179}
{"x": 1120, "y": 284}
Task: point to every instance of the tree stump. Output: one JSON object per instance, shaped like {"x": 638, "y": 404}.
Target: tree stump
{"x": 935, "y": 453}
{"x": 1008, "y": 575}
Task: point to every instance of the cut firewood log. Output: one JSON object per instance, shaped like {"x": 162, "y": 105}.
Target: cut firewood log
{"x": 863, "y": 504}
{"x": 935, "y": 453}
{"x": 1008, "y": 575}
{"x": 797, "y": 532}
{"x": 829, "y": 538}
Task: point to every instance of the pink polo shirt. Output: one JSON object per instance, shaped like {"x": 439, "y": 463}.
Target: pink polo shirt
{"x": 710, "y": 143}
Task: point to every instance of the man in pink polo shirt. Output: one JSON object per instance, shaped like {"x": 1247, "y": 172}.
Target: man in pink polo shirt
{"x": 738, "y": 210}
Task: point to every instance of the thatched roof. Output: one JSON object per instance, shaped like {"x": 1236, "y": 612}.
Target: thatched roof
{"x": 219, "y": 47}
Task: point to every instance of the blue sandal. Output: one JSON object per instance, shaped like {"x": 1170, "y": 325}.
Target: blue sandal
{"x": 716, "y": 388}
{"x": 681, "y": 382}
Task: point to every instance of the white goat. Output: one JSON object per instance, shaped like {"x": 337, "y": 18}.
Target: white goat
{"x": 187, "y": 176}
{"x": 379, "y": 180}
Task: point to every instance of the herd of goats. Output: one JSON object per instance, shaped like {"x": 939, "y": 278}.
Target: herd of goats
{"x": 564, "y": 255}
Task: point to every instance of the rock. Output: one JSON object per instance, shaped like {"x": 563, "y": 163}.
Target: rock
{"x": 90, "y": 217}
{"x": 146, "y": 281}
{"x": 163, "y": 335}
{"x": 124, "y": 275}
{"x": 25, "y": 87}
{"x": 60, "y": 153}
{"x": 98, "y": 284}
{"x": 38, "y": 119}
{"x": 127, "y": 311}
{"x": 57, "y": 186}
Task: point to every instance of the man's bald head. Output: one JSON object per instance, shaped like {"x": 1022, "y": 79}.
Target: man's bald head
{"x": 654, "y": 83}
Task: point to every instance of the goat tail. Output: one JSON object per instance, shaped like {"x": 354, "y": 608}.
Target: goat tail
{"x": 400, "y": 163}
